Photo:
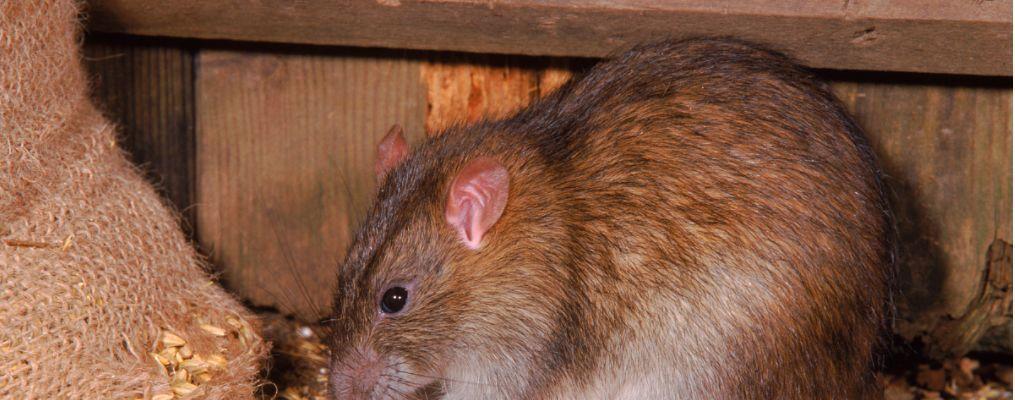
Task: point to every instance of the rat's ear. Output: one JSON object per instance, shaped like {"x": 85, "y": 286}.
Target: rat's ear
{"x": 391, "y": 151}
{"x": 477, "y": 199}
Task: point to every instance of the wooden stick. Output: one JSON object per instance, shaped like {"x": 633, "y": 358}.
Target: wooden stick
{"x": 27, "y": 243}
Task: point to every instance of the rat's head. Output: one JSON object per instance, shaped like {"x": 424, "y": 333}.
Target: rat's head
{"x": 431, "y": 291}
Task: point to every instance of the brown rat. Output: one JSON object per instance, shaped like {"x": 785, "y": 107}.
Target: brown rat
{"x": 693, "y": 219}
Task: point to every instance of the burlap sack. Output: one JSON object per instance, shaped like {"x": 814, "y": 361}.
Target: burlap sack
{"x": 93, "y": 267}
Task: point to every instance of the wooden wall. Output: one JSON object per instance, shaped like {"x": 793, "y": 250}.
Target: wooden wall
{"x": 269, "y": 152}
{"x": 148, "y": 88}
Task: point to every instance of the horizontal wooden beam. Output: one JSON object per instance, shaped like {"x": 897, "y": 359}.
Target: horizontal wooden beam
{"x": 936, "y": 36}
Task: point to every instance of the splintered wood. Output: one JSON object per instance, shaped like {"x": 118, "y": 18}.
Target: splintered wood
{"x": 462, "y": 89}
{"x": 947, "y": 156}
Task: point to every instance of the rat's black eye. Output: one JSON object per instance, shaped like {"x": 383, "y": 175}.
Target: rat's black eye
{"x": 394, "y": 299}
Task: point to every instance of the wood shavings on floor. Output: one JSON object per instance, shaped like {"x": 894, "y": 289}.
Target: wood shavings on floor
{"x": 965, "y": 378}
{"x": 299, "y": 359}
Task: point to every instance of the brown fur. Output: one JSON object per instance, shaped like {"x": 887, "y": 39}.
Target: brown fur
{"x": 693, "y": 219}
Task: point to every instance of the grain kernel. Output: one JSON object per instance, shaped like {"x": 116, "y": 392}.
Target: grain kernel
{"x": 181, "y": 376}
{"x": 183, "y": 388}
{"x": 160, "y": 359}
{"x": 169, "y": 354}
{"x": 217, "y": 360}
{"x": 202, "y": 378}
{"x": 194, "y": 366}
{"x": 171, "y": 340}
{"x": 186, "y": 352}
{"x": 214, "y": 330}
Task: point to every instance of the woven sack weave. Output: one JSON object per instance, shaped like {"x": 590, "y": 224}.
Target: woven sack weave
{"x": 94, "y": 269}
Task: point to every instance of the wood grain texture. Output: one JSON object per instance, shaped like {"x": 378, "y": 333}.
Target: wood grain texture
{"x": 462, "y": 89}
{"x": 557, "y": 72}
{"x": 947, "y": 150}
{"x": 942, "y": 36}
{"x": 285, "y": 159}
{"x": 146, "y": 88}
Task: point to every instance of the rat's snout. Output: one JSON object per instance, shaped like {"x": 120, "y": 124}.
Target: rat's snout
{"x": 356, "y": 375}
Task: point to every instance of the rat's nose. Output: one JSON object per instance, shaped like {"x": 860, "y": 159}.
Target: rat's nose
{"x": 355, "y": 376}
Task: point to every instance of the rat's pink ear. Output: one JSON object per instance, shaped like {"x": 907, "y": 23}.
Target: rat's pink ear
{"x": 391, "y": 151}
{"x": 477, "y": 199}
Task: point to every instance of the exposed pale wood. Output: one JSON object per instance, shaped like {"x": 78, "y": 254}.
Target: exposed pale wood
{"x": 461, "y": 89}
{"x": 147, "y": 89}
{"x": 944, "y": 36}
{"x": 557, "y": 72}
{"x": 286, "y": 143}
{"x": 948, "y": 153}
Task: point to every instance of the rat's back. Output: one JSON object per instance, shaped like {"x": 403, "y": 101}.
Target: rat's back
{"x": 722, "y": 199}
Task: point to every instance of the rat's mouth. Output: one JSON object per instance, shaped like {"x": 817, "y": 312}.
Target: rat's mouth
{"x": 432, "y": 391}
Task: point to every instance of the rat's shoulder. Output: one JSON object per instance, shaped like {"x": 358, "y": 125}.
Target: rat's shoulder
{"x": 698, "y": 58}
{"x": 690, "y": 68}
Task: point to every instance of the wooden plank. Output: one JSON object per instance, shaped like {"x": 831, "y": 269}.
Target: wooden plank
{"x": 948, "y": 153}
{"x": 940, "y": 36}
{"x": 285, "y": 159}
{"x": 146, "y": 88}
